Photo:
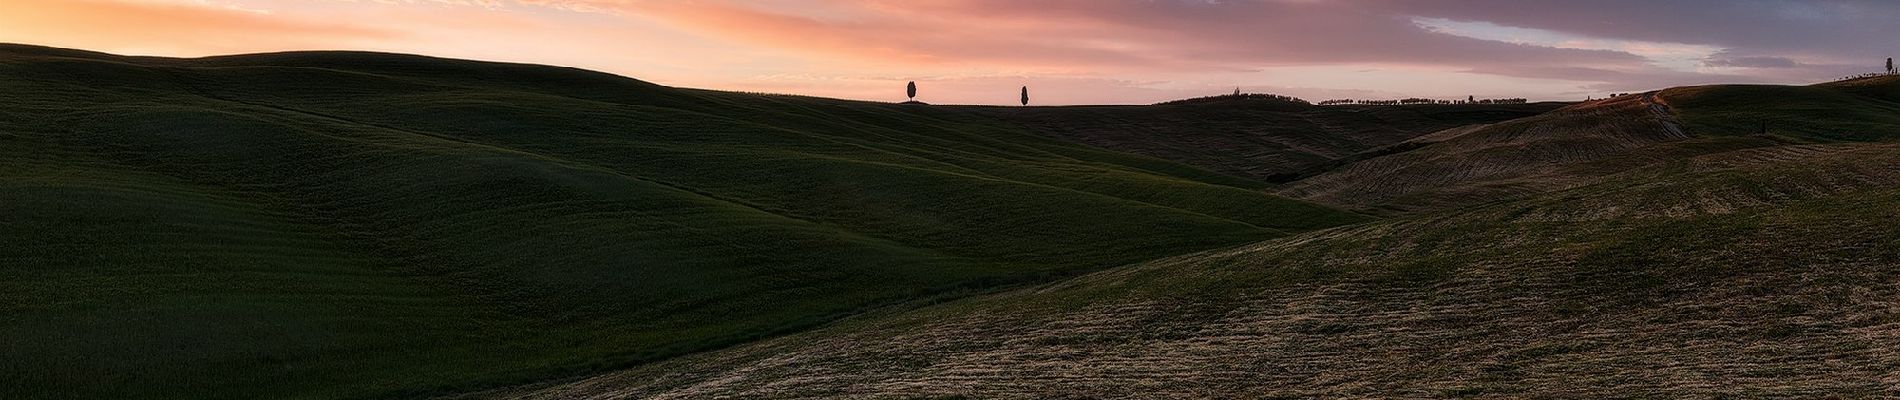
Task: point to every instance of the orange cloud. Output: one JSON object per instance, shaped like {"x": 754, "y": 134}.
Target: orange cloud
{"x": 1102, "y": 50}
{"x": 884, "y": 34}
{"x": 171, "y": 28}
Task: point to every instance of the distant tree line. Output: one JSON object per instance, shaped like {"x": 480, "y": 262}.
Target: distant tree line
{"x": 1296, "y": 100}
{"x": 1416, "y": 100}
{"x": 1889, "y": 71}
{"x": 1866, "y": 75}
{"x": 1239, "y": 96}
{"x": 773, "y": 94}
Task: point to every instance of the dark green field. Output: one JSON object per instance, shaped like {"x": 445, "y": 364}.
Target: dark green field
{"x": 1607, "y": 250}
{"x": 361, "y": 225}
{"x": 326, "y": 225}
{"x": 1264, "y": 140}
{"x": 1767, "y": 273}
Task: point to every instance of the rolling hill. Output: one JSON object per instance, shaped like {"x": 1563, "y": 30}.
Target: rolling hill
{"x": 1765, "y": 272}
{"x": 1269, "y": 141}
{"x": 1584, "y": 143}
{"x": 365, "y": 225}
{"x": 347, "y": 225}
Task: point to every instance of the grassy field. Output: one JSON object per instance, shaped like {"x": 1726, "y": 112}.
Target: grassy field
{"x": 1585, "y": 143}
{"x": 353, "y": 225}
{"x": 347, "y": 225}
{"x": 1265, "y": 140}
{"x": 1758, "y": 273}
{"x": 1866, "y": 109}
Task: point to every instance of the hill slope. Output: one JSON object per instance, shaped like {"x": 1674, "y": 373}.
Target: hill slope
{"x": 1756, "y": 273}
{"x": 1583, "y": 143}
{"x": 330, "y": 224}
{"x": 1265, "y": 140}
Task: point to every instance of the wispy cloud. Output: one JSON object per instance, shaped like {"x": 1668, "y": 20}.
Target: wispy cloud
{"x": 1122, "y": 50}
{"x": 169, "y": 26}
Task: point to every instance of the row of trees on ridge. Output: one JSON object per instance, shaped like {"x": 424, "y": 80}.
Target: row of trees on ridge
{"x": 1239, "y": 96}
{"x": 910, "y": 91}
{"x": 1890, "y": 71}
{"x": 1417, "y": 100}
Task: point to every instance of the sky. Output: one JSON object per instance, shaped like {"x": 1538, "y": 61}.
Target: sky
{"x": 1066, "y": 51}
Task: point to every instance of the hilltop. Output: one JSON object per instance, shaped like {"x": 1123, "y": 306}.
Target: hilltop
{"x": 349, "y": 224}
{"x": 1585, "y": 143}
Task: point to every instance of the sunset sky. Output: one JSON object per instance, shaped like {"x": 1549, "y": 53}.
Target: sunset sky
{"x": 1066, "y": 51}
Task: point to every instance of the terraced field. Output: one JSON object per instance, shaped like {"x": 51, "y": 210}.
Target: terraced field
{"x": 341, "y": 225}
{"x": 1728, "y": 275}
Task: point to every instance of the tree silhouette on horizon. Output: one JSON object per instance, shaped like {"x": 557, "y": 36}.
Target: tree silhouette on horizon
{"x": 1890, "y": 65}
{"x": 911, "y": 91}
{"x": 1025, "y": 95}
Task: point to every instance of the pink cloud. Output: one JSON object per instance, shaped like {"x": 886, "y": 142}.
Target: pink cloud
{"x": 1107, "y": 35}
{"x": 1125, "y": 51}
{"x": 167, "y": 27}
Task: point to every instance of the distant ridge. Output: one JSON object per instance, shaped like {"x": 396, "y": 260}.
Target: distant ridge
{"x": 1242, "y": 97}
{"x": 1262, "y": 139}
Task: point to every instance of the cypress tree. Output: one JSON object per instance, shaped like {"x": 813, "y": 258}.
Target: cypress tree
{"x": 1025, "y": 95}
{"x": 911, "y": 91}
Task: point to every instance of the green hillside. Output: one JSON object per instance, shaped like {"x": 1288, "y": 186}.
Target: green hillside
{"x": 335, "y": 225}
{"x": 362, "y": 225}
{"x": 1866, "y": 109}
{"x": 1267, "y": 140}
{"x": 1758, "y": 273}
